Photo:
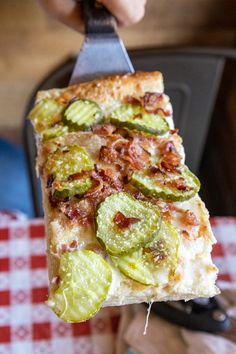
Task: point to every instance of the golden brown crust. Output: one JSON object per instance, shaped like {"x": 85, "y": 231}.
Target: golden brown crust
{"x": 111, "y": 88}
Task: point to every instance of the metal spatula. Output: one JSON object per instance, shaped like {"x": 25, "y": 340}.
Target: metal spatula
{"x": 103, "y": 52}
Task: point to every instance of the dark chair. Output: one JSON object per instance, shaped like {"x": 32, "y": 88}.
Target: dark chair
{"x": 192, "y": 78}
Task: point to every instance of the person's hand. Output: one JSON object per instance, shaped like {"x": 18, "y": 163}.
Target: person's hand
{"x": 127, "y": 12}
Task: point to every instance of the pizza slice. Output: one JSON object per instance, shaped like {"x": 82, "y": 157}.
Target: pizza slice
{"x": 124, "y": 220}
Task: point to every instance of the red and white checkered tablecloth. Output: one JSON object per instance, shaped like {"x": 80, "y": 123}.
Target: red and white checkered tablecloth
{"x": 28, "y": 326}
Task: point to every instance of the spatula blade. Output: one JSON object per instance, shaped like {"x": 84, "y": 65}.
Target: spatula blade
{"x": 101, "y": 56}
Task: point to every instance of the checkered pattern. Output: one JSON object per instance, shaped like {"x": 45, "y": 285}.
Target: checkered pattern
{"x": 224, "y": 252}
{"x": 28, "y": 326}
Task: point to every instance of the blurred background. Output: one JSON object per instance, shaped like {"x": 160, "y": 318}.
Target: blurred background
{"x": 32, "y": 44}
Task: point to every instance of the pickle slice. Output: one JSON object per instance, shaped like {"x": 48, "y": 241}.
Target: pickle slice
{"x": 69, "y": 189}
{"x": 145, "y": 223}
{"x": 163, "y": 186}
{"x": 155, "y": 263}
{"x": 85, "y": 278}
{"x": 81, "y": 114}
{"x": 66, "y": 162}
{"x": 46, "y": 113}
{"x": 55, "y": 131}
{"x": 135, "y": 117}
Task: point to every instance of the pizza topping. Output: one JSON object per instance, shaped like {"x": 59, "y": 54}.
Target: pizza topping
{"x": 69, "y": 247}
{"x": 136, "y": 117}
{"x": 79, "y": 211}
{"x": 63, "y": 190}
{"x": 108, "y": 176}
{"x": 85, "y": 279}
{"x": 163, "y": 112}
{"x": 122, "y": 222}
{"x": 125, "y": 152}
{"x": 170, "y": 158}
{"x": 74, "y": 244}
{"x": 82, "y": 114}
{"x": 46, "y": 114}
{"x": 155, "y": 262}
{"x": 66, "y": 167}
{"x": 152, "y": 101}
{"x": 104, "y": 183}
{"x": 179, "y": 183}
{"x": 95, "y": 189}
{"x": 178, "y": 186}
{"x": 190, "y": 218}
{"x": 54, "y": 132}
{"x": 154, "y": 169}
{"x": 185, "y": 234}
{"x": 157, "y": 252}
{"x": 115, "y": 210}
{"x": 133, "y": 100}
{"x": 64, "y": 247}
{"x": 79, "y": 175}
{"x": 174, "y": 131}
{"x": 103, "y": 129}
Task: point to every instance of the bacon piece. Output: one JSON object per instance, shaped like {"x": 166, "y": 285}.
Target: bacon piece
{"x": 152, "y": 101}
{"x": 170, "y": 159}
{"x": 179, "y": 183}
{"x": 167, "y": 147}
{"x": 67, "y": 248}
{"x": 133, "y": 100}
{"x": 108, "y": 176}
{"x": 162, "y": 112}
{"x": 103, "y": 129}
{"x": 122, "y": 222}
{"x": 168, "y": 209}
{"x": 190, "y": 218}
{"x": 54, "y": 202}
{"x": 174, "y": 131}
{"x": 74, "y": 244}
{"x": 79, "y": 175}
{"x": 137, "y": 153}
{"x": 75, "y": 213}
{"x": 96, "y": 188}
{"x": 124, "y": 152}
{"x": 138, "y": 116}
{"x": 185, "y": 234}
{"x": 157, "y": 252}
{"x": 134, "y": 192}
{"x": 56, "y": 185}
{"x": 64, "y": 247}
{"x": 154, "y": 169}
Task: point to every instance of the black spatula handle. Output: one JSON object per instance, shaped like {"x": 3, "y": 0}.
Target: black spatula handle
{"x": 97, "y": 18}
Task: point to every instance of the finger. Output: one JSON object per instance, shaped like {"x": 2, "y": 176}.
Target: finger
{"x": 66, "y": 11}
{"x": 126, "y": 12}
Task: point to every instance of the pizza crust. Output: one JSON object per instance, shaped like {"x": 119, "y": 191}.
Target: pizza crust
{"x": 111, "y": 88}
{"x": 196, "y": 274}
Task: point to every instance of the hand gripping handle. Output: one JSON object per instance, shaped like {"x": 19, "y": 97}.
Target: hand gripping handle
{"x": 97, "y": 19}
